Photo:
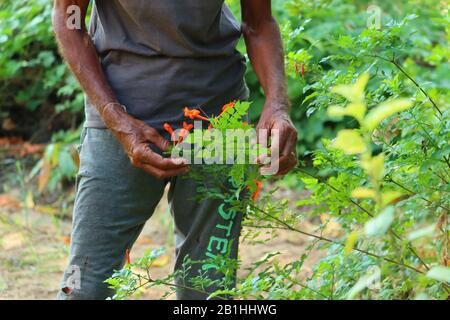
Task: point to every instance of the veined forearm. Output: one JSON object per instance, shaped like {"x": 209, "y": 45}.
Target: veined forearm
{"x": 78, "y": 50}
{"x": 266, "y": 53}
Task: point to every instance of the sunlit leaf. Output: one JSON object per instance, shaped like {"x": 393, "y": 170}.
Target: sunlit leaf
{"x": 351, "y": 241}
{"x": 363, "y": 193}
{"x": 355, "y": 110}
{"x": 336, "y": 111}
{"x": 385, "y": 110}
{"x": 354, "y": 93}
{"x": 374, "y": 166}
{"x": 391, "y": 197}
{"x": 350, "y": 141}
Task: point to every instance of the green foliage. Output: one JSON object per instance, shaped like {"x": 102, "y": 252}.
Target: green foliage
{"x": 384, "y": 178}
{"x": 60, "y": 162}
{"x": 32, "y": 75}
{"x": 36, "y": 86}
{"x": 332, "y": 40}
{"x": 372, "y": 111}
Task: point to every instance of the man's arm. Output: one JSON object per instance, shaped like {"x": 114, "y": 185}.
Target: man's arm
{"x": 265, "y": 49}
{"x": 79, "y": 52}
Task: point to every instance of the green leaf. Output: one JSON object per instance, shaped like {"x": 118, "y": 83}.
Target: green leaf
{"x": 350, "y": 141}
{"x": 385, "y": 110}
{"x": 381, "y": 223}
{"x": 363, "y": 193}
{"x": 390, "y": 197}
{"x": 354, "y": 93}
{"x": 237, "y": 174}
{"x": 351, "y": 241}
{"x": 374, "y": 166}
{"x": 336, "y": 111}
{"x": 355, "y": 110}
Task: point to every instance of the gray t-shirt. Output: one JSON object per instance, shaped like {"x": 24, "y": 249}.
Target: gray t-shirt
{"x": 160, "y": 56}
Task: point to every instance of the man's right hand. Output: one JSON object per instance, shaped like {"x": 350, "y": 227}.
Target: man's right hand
{"x": 136, "y": 136}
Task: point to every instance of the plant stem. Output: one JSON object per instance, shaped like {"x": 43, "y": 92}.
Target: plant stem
{"x": 389, "y": 179}
{"x": 168, "y": 284}
{"x": 289, "y": 227}
{"x": 305, "y": 286}
{"x": 413, "y": 251}
{"x": 400, "y": 68}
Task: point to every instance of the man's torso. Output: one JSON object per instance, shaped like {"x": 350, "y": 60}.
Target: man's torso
{"x": 160, "y": 56}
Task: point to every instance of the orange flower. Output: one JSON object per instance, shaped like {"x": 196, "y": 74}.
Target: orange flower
{"x": 297, "y": 69}
{"x": 229, "y": 105}
{"x": 210, "y": 126}
{"x": 187, "y": 126}
{"x": 168, "y": 128}
{"x": 255, "y": 195}
{"x": 226, "y": 107}
{"x": 193, "y": 114}
{"x": 183, "y": 133}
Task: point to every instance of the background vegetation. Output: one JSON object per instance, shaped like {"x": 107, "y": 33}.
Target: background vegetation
{"x": 383, "y": 190}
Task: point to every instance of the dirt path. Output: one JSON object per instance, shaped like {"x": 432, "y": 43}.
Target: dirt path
{"x": 34, "y": 248}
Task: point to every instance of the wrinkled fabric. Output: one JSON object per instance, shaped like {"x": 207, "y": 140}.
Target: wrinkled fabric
{"x": 160, "y": 56}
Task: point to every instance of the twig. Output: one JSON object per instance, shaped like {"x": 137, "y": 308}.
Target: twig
{"x": 399, "y": 67}
{"x": 289, "y": 227}
{"x": 168, "y": 284}
{"x": 389, "y": 179}
{"x": 413, "y": 251}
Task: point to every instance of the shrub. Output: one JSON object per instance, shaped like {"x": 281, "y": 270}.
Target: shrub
{"x": 35, "y": 84}
{"x": 383, "y": 180}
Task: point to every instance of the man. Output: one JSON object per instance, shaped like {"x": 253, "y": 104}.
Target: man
{"x": 140, "y": 64}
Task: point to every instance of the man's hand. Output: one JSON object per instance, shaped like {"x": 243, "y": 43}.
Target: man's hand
{"x": 273, "y": 118}
{"x": 135, "y": 136}
{"x": 265, "y": 49}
